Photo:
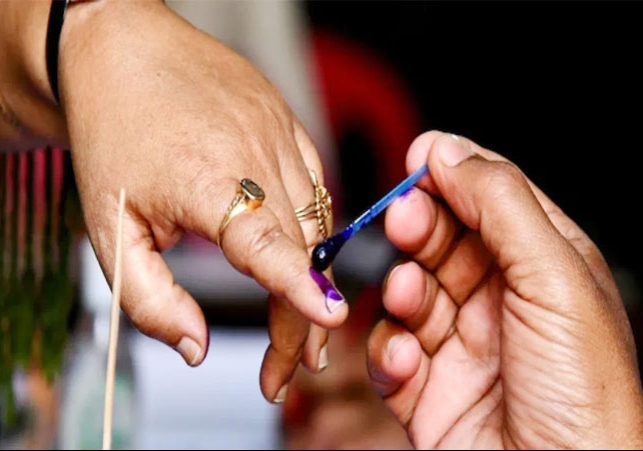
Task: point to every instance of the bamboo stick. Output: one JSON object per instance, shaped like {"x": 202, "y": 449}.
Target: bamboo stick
{"x": 113, "y": 333}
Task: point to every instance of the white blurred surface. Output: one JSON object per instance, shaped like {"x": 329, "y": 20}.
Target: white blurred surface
{"x": 216, "y": 406}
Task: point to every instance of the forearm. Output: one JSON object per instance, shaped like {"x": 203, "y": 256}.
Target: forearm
{"x": 30, "y": 116}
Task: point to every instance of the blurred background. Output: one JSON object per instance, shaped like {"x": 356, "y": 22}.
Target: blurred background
{"x": 556, "y": 88}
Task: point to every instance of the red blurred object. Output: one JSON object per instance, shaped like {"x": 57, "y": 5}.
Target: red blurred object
{"x": 362, "y": 89}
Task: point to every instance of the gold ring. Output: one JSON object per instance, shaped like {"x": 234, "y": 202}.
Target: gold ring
{"x": 319, "y": 208}
{"x": 249, "y": 197}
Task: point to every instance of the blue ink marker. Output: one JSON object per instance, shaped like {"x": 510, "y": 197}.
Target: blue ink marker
{"x": 326, "y": 251}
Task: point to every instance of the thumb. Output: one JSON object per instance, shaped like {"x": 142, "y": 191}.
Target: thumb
{"x": 155, "y": 304}
{"x": 495, "y": 198}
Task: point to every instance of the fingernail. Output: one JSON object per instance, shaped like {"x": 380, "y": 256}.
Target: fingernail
{"x": 391, "y": 271}
{"x": 452, "y": 152}
{"x": 322, "y": 363}
{"x": 334, "y": 299}
{"x": 394, "y": 344}
{"x": 190, "y": 351}
{"x": 281, "y": 395}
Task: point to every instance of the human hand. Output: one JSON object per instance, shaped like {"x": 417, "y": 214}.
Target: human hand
{"x": 509, "y": 330}
{"x": 339, "y": 409}
{"x": 178, "y": 119}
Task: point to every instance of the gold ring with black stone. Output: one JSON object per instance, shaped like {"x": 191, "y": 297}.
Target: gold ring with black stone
{"x": 249, "y": 197}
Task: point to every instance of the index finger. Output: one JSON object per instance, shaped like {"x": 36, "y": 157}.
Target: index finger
{"x": 273, "y": 252}
{"x": 256, "y": 244}
{"x": 418, "y": 155}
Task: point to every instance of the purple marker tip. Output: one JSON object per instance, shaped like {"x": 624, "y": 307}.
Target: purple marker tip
{"x": 333, "y": 298}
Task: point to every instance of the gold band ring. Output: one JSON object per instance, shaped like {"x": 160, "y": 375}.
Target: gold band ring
{"x": 319, "y": 208}
{"x": 249, "y": 197}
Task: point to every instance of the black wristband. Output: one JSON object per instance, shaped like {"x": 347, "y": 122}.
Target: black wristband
{"x": 54, "y": 28}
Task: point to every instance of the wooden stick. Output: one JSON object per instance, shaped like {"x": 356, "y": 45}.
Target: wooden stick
{"x": 113, "y": 329}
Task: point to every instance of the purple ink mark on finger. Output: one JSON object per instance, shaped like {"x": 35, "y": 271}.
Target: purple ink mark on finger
{"x": 406, "y": 193}
{"x": 333, "y": 298}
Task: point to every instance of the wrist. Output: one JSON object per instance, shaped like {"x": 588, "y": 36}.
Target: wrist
{"x": 107, "y": 51}
{"x": 95, "y": 44}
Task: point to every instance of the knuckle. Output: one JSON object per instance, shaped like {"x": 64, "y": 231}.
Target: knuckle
{"x": 289, "y": 346}
{"x": 504, "y": 178}
{"x": 267, "y": 233}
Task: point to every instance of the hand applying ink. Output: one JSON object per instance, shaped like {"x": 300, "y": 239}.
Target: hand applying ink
{"x": 505, "y": 329}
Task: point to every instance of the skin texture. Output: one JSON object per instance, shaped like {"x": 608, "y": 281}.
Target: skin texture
{"x": 506, "y": 329}
{"x": 153, "y": 105}
{"x": 339, "y": 409}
